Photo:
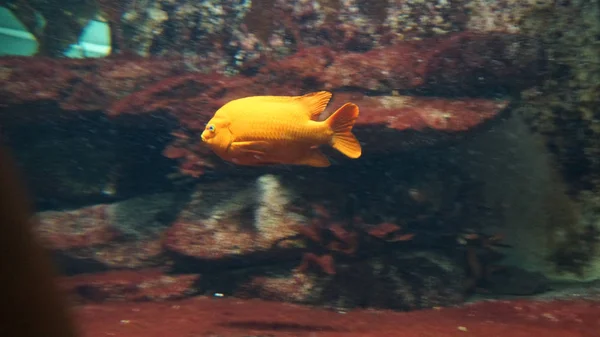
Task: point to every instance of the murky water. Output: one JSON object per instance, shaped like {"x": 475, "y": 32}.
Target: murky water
{"x": 427, "y": 168}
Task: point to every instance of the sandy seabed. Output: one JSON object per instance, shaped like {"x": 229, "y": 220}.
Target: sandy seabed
{"x": 227, "y": 317}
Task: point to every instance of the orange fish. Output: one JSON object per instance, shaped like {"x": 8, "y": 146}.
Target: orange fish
{"x": 270, "y": 130}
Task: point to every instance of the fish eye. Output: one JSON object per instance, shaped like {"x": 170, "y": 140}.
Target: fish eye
{"x": 211, "y": 128}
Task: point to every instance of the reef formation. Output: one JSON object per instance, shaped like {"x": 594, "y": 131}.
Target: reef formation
{"x": 158, "y": 202}
{"x": 306, "y": 246}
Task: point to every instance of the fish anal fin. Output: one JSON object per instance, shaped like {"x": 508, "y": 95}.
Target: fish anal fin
{"x": 341, "y": 123}
{"x": 314, "y": 157}
{"x": 254, "y": 147}
{"x": 315, "y": 102}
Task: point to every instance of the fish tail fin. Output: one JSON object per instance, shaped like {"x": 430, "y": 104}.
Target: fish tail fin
{"x": 341, "y": 123}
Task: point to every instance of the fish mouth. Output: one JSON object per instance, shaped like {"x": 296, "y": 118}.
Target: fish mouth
{"x": 202, "y": 137}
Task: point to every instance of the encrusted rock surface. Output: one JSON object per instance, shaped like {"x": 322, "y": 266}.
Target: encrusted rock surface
{"x": 108, "y": 236}
{"x": 419, "y": 76}
{"x": 463, "y": 62}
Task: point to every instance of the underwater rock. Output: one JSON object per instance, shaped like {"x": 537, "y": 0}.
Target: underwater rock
{"x": 108, "y": 236}
{"x": 76, "y": 84}
{"x": 462, "y": 63}
{"x": 166, "y": 87}
{"x": 234, "y": 219}
{"x": 468, "y": 60}
{"x": 289, "y": 287}
{"x": 516, "y": 281}
{"x": 564, "y": 108}
{"x": 136, "y": 286}
{"x": 254, "y": 233}
{"x": 400, "y": 281}
{"x": 388, "y": 124}
{"x": 236, "y": 34}
{"x": 76, "y": 229}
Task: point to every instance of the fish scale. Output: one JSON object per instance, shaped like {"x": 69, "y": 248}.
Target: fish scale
{"x": 279, "y": 131}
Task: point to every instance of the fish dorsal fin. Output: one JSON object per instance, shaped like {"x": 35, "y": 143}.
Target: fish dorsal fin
{"x": 315, "y": 102}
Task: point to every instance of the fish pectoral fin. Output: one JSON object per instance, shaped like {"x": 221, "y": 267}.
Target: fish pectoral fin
{"x": 314, "y": 158}
{"x": 254, "y": 147}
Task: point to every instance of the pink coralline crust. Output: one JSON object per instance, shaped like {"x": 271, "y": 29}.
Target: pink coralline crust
{"x": 131, "y": 254}
{"x": 86, "y": 227}
{"x": 200, "y": 240}
{"x": 298, "y": 287}
{"x": 420, "y": 113}
{"x": 191, "y": 98}
{"x": 220, "y": 238}
{"x": 139, "y": 285}
{"x": 90, "y": 233}
{"x": 96, "y": 84}
{"x": 297, "y": 71}
{"x": 379, "y": 69}
{"x": 79, "y": 84}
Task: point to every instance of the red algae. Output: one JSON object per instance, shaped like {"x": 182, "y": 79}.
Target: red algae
{"x": 421, "y": 113}
{"x": 388, "y": 122}
{"x": 237, "y": 318}
{"x": 79, "y": 84}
